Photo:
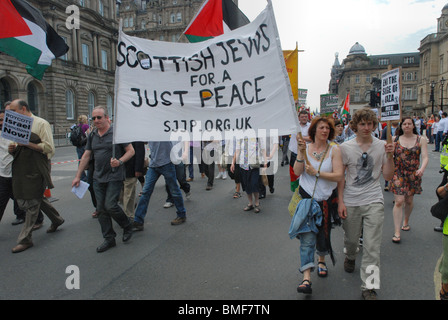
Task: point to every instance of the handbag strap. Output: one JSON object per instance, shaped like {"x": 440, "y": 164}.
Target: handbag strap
{"x": 320, "y": 165}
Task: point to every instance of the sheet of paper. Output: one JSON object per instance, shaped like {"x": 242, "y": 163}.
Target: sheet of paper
{"x": 81, "y": 189}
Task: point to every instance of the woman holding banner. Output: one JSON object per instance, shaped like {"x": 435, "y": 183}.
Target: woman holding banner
{"x": 319, "y": 165}
{"x": 407, "y": 179}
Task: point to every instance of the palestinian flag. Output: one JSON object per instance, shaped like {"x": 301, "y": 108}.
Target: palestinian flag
{"x": 346, "y": 107}
{"x": 25, "y": 35}
{"x": 214, "y": 18}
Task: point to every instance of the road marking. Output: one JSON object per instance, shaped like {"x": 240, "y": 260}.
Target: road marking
{"x": 62, "y": 162}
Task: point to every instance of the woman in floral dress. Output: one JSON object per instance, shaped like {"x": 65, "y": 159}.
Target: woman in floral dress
{"x": 409, "y": 148}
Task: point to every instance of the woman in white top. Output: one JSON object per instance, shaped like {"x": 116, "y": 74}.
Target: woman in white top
{"x": 319, "y": 180}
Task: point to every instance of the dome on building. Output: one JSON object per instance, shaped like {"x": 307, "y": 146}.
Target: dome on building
{"x": 445, "y": 7}
{"x": 357, "y": 49}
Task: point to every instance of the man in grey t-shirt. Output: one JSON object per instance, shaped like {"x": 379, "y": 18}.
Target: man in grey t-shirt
{"x": 360, "y": 198}
{"x": 108, "y": 176}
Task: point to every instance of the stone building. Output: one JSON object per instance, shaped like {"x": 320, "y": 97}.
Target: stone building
{"x": 360, "y": 73}
{"x": 434, "y": 67}
{"x": 77, "y": 81}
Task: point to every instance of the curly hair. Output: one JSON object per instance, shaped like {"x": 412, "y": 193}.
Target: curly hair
{"x": 364, "y": 114}
{"x": 313, "y": 127}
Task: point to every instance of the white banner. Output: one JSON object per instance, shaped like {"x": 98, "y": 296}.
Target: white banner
{"x": 237, "y": 81}
{"x": 17, "y": 127}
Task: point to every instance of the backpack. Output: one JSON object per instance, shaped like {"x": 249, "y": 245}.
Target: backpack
{"x": 77, "y": 137}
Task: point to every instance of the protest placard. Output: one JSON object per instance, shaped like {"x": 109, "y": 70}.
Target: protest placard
{"x": 390, "y": 95}
{"x": 17, "y": 127}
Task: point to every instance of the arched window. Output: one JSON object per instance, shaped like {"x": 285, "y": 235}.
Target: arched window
{"x": 70, "y": 104}
{"x": 33, "y": 98}
{"x": 5, "y": 92}
{"x": 91, "y": 102}
{"x": 110, "y": 105}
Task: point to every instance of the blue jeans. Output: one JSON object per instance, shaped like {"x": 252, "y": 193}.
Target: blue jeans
{"x": 80, "y": 152}
{"x": 169, "y": 173}
{"x": 439, "y": 139}
{"x": 107, "y": 195}
{"x": 307, "y": 250}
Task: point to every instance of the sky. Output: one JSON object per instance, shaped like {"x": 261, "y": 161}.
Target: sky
{"x": 324, "y": 27}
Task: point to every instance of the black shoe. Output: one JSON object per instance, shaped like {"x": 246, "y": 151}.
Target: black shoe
{"x": 137, "y": 226}
{"x": 127, "y": 233}
{"x": 106, "y": 245}
{"x": 438, "y": 229}
{"x": 271, "y": 190}
{"x": 18, "y": 221}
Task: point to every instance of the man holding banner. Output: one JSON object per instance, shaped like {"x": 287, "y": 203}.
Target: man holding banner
{"x": 108, "y": 176}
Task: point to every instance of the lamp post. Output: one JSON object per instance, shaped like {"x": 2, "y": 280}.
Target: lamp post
{"x": 442, "y": 81}
{"x": 431, "y": 97}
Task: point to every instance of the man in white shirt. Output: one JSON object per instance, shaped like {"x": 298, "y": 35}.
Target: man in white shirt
{"x": 360, "y": 199}
{"x": 303, "y": 128}
{"x": 442, "y": 129}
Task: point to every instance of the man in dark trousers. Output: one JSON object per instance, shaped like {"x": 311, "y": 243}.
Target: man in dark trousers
{"x": 108, "y": 176}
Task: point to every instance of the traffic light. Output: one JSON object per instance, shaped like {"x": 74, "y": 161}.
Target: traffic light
{"x": 375, "y": 98}
{"x": 378, "y": 98}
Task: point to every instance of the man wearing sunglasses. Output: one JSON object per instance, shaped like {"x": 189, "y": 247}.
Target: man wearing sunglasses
{"x": 108, "y": 176}
{"x": 360, "y": 197}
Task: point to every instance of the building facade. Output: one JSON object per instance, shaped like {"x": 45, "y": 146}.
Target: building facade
{"x": 77, "y": 81}
{"x": 360, "y": 73}
{"x": 434, "y": 68}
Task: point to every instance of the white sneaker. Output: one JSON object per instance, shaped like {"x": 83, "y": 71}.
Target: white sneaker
{"x": 187, "y": 195}
{"x": 219, "y": 175}
{"x": 224, "y": 175}
{"x": 168, "y": 205}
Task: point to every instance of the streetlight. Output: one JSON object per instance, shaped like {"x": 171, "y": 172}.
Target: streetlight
{"x": 431, "y": 96}
{"x": 442, "y": 81}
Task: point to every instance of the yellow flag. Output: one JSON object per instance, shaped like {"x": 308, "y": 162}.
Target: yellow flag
{"x": 291, "y": 61}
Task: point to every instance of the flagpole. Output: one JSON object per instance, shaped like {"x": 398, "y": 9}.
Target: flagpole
{"x": 120, "y": 30}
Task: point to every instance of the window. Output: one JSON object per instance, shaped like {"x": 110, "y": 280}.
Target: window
{"x": 408, "y": 60}
{"x": 172, "y": 18}
{"x": 368, "y": 78}
{"x": 383, "y": 62}
{"x": 110, "y": 105}
{"x": 65, "y": 56}
{"x": 32, "y": 97}
{"x": 85, "y": 54}
{"x": 441, "y": 64}
{"x": 90, "y": 102}
{"x": 131, "y": 22}
{"x": 5, "y": 92}
{"x": 101, "y": 7}
{"x": 82, "y": 3}
{"x": 357, "y": 96}
{"x": 357, "y": 78}
{"x": 143, "y": 24}
{"x": 104, "y": 59}
{"x": 70, "y": 104}
{"x": 179, "y": 17}
{"x": 126, "y": 23}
